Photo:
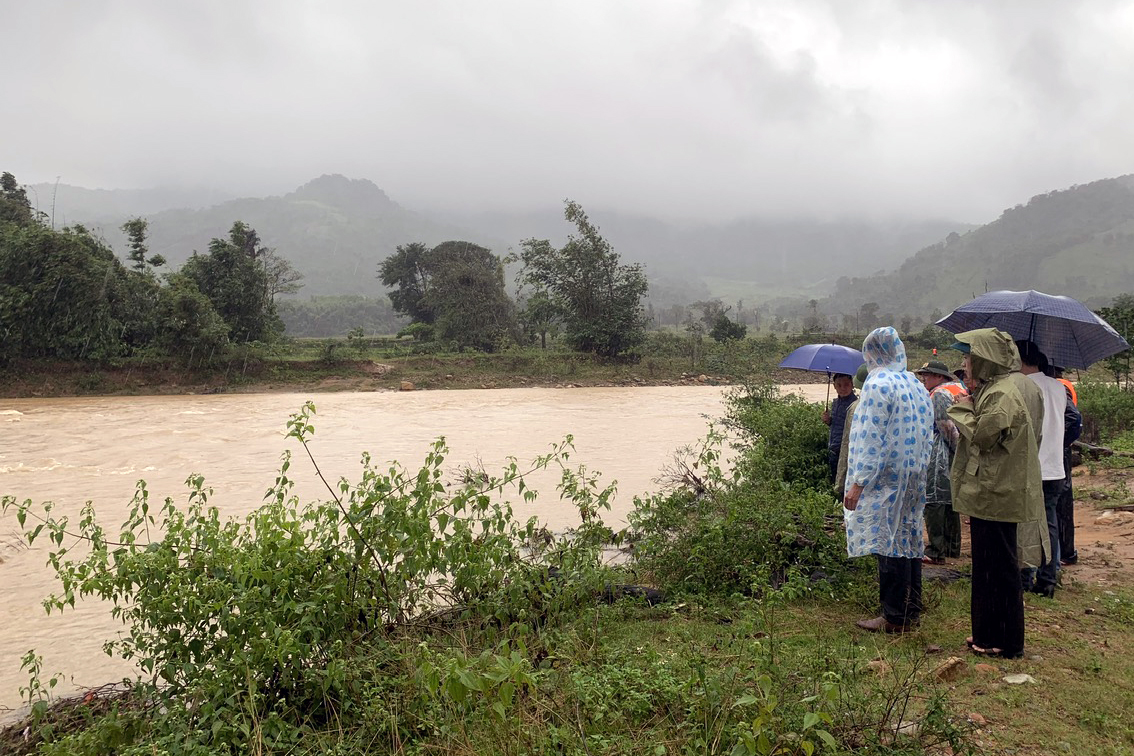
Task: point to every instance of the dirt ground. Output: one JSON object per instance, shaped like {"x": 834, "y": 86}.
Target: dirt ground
{"x": 1104, "y": 527}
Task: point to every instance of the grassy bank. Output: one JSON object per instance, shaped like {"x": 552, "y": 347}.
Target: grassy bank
{"x": 724, "y": 677}
{"x": 379, "y": 363}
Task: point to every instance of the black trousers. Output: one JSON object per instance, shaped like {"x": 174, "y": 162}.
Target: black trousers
{"x": 997, "y": 595}
{"x": 1066, "y": 511}
{"x": 944, "y": 527}
{"x": 899, "y": 588}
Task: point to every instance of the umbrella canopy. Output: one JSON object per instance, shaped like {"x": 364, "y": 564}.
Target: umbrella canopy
{"x": 824, "y": 358}
{"x": 1063, "y": 328}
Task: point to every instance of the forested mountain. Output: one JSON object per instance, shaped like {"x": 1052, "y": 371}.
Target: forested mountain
{"x": 337, "y": 230}
{"x": 1078, "y": 242}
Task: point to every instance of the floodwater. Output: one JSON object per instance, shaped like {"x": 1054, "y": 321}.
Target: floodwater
{"x": 70, "y": 451}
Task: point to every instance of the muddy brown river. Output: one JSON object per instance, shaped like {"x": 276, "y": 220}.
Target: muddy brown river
{"x": 70, "y": 451}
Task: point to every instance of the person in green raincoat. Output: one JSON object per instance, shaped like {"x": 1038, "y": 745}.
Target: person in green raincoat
{"x": 996, "y": 481}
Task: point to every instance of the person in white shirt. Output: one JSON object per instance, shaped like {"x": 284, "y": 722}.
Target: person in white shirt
{"x": 1032, "y": 364}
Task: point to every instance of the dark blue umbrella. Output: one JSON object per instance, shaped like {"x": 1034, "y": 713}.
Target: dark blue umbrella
{"x": 1063, "y": 328}
{"x": 825, "y": 358}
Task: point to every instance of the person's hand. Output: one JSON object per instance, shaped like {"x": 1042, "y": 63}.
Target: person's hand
{"x": 966, "y": 399}
{"x": 827, "y": 417}
{"x": 850, "y": 500}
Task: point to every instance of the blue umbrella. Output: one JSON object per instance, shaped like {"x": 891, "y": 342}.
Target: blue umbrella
{"x": 1068, "y": 333}
{"x": 825, "y": 358}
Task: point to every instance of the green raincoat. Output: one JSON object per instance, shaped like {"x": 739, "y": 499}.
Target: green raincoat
{"x": 996, "y": 471}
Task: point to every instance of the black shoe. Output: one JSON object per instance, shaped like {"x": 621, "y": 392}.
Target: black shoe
{"x": 1073, "y": 559}
{"x": 1046, "y": 592}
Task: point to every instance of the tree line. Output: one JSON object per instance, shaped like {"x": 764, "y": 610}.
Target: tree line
{"x": 64, "y": 294}
{"x": 455, "y": 292}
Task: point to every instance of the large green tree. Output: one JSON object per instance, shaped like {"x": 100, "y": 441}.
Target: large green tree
{"x": 467, "y": 296}
{"x": 142, "y": 289}
{"x": 234, "y": 278}
{"x": 407, "y": 273}
{"x": 14, "y": 205}
{"x": 598, "y": 298}
{"x": 188, "y": 326}
{"x": 457, "y": 287}
{"x": 61, "y": 294}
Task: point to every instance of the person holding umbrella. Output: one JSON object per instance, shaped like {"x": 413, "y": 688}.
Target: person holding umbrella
{"x": 996, "y": 481}
{"x": 837, "y": 361}
{"x": 891, "y": 434}
{"x": 1058, "y": 424}
{"x": 844, "y": 445}
{"x": 836, "y": 418}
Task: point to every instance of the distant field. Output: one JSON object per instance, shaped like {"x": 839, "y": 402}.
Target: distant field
{"x": 754, "y": 293}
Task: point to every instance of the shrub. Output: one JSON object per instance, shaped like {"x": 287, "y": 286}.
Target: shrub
{"x": 724, "y": 329}
{"x": 248, "y": 631}
{"x": 771, "y": 523}
{"x": 745, "y": 538}
{"x": 781, "y": 438}
{"x": 1107, "y": 410}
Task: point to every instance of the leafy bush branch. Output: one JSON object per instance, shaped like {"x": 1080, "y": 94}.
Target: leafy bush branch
{"x": 243, "y": 626}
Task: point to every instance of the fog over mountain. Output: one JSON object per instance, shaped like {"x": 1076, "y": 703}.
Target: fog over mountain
{"x": 336, "y": 230}
{"x": 690, "y": 112}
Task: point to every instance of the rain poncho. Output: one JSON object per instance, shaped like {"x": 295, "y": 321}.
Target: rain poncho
{"x": 944, "y": 443}
{"x": 996, "y": 471}
{"x": 891, "y": 435}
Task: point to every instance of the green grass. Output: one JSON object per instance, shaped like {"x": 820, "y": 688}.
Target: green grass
{"x": 686, "y": 677}
{"x": 629, "y": 679}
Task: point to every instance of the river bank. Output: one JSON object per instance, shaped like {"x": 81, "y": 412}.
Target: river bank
{"x": 434, "y": 372}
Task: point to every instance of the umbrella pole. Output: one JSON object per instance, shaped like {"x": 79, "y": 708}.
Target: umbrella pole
{"x": 827, "y": 401}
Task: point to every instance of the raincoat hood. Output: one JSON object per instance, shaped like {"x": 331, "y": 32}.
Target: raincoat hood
{"x": 884, "y": 350}
{"x": 991, "y": 352}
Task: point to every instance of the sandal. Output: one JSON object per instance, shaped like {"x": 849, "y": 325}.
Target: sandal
{"x": 995, "y": 652}
{"x": 985, "y": 651}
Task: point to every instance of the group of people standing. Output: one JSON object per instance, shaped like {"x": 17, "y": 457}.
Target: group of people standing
{"x": 919, "y": 449}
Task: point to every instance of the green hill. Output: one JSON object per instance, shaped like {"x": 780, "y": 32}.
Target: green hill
{"x": 1078, "y": 242}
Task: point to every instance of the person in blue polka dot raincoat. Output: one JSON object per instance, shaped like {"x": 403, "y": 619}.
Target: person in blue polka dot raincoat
{"x": 884, "y": 505}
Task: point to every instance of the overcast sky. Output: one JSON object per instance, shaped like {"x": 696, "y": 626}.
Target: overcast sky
{"x": 701, "y": 109}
